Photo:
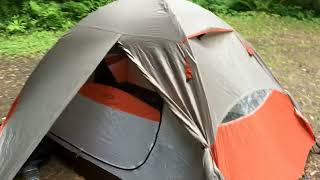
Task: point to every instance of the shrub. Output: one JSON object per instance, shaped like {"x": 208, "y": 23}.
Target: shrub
{"x": 295, "y": 8}
{"x": 48, "y": 16}
{"x": 32, "y": 15}
{"x": 16, "y": 25}
{"x": 21, "y": 16}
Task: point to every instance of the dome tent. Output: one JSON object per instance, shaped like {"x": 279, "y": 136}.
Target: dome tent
{"x": 223, "y": 115}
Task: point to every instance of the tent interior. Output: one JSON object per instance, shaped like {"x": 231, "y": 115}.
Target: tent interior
{"x": 118, "y": 84}
{"x": 118, "y": 71}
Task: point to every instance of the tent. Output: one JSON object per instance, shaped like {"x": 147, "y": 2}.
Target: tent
{"x": 157, "y": 89}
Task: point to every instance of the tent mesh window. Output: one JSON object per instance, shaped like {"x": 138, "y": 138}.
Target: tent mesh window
{"x": 247, "y": 105}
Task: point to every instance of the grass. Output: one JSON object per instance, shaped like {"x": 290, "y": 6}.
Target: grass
{"x": 258, "y": 24}
{"x": 33, "y": 44}
{"x": 268, "y": 32}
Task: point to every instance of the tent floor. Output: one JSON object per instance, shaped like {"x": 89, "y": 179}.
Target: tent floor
{"x": 83, "y": 168}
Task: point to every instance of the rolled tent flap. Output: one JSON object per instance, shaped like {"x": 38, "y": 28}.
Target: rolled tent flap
{"x": 50, "y": 88}
{"x": 163, "y": 63}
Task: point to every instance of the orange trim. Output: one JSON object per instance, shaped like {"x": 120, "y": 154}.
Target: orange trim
{"x": 207, "y": 31}
{"x": 120, "y": 100}
{"x": 10, "y": 113}
{"x": 188, "y": 70}
{"x": 248, "y": 47}
{"x": 271, "y": 143}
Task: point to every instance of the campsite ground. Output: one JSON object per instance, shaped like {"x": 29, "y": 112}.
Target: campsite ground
{"x": 290, "y": 47}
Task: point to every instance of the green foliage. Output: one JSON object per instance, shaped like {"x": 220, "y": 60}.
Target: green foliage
{"x": 25, "y": 16}
{"x": 9, "y": 8}
{"x": 18, "y": 16}
{"x": 77, "y": 10}
{"x": 48, "y": 16}
{"x": 16, "y": 25}
{"x": 294, "y": 8}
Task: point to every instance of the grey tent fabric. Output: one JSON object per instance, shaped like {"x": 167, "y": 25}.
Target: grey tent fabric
{"x": 47, "y": 92}
{"x": 193, "y": 18}
{"x": 221, "y": 60}
{"x": 113, "y": 131}
{"x": 141, "y": 18}
{"x": 176, "y": 154}
{"x": 236, "y": 73}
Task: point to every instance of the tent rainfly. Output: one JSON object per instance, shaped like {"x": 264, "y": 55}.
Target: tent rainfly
{"x": 159, "y": 89}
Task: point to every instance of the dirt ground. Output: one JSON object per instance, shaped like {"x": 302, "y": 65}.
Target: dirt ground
{"x": 293, "y": 57}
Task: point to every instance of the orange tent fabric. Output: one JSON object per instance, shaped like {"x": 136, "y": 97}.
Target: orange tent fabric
{"x": 120, "y": 100}
{"x": 274, "y": 137}
{"x": 207, "y": 31}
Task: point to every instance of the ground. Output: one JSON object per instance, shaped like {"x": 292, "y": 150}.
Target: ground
{"x": 289, "y": 47}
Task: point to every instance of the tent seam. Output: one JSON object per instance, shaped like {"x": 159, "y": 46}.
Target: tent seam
{"x": 124, "y": 33}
